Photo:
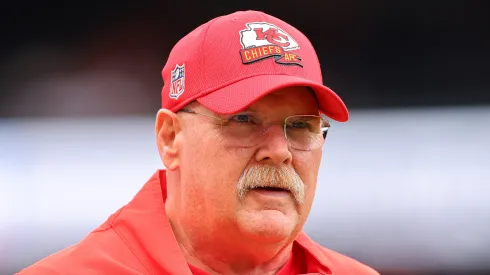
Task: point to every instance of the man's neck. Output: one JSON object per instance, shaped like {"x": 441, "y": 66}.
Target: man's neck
{"x": 227, "y": 256}
{"x": 238, "y": 261}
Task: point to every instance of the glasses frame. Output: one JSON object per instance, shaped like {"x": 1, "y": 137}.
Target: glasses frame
{"x": 322, "y": 117}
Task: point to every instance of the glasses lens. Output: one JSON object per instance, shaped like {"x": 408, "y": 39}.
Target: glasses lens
{"x": 304, "y": 132}
{"x": 242, "y": 130}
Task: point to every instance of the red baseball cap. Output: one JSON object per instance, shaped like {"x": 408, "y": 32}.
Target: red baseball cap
{"x": 233, "y": 60}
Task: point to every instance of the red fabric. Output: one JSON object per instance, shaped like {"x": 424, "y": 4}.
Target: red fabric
{"x": 229, "y": 62}
{"x": 197, "y": 271}
{"x": 296, "y": 263}
{"x": 138, "y": 239}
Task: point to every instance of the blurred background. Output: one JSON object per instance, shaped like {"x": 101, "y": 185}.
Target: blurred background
{"x": 404, "y": 185}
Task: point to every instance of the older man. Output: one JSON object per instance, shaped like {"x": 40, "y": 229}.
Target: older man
{"x": 244, "y": 118}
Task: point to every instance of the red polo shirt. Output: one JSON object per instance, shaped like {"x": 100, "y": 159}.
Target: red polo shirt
{"x": 138, "y": 239}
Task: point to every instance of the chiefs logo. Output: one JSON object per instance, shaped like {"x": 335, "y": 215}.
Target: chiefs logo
{"x": 273, "y": 36}
{"x": 264, "y": 40}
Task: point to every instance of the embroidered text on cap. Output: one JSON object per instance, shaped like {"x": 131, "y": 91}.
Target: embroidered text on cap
{"x": 261, "y": 40}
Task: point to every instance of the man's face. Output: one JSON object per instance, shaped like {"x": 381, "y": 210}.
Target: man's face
{"x": 217, "y": 172}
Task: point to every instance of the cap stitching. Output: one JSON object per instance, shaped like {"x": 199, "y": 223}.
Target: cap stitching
{"x": 205, "y": 35}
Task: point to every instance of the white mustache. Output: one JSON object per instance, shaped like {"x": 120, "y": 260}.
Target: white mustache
{"x": 271, "y": 176}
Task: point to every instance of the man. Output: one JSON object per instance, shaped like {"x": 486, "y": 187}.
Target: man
{"x": 243, "y": 119}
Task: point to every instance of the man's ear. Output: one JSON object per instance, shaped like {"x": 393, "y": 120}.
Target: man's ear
{"x": 167, "y": 126}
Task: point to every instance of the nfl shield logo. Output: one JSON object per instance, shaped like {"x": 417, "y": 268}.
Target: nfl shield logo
{"x": 177, "y": 84}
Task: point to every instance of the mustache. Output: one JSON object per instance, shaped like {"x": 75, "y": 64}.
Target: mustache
{"x": 271, "y": 176}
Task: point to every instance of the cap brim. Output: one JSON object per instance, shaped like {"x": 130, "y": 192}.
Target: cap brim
{"x": 226, "y": 101}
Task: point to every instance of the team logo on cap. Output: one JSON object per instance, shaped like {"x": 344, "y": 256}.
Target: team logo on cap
{"x": 262, "y": 40}
{"x": 177, "y": 83}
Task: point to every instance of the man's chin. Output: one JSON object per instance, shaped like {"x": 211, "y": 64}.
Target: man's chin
{"x": 267, "y": 225}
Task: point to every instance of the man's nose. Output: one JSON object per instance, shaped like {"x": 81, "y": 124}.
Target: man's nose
{"x": 267, "y": 128}
{"x": 274, "y": 146}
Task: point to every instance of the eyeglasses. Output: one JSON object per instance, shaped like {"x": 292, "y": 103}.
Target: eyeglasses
{"x": 303, "y": 132}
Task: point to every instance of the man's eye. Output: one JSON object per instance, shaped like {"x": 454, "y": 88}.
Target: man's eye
{"x": 299, "y": 124}
{"x": 242, "y": 118}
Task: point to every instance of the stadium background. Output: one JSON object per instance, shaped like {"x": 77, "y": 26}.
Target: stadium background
{"x": 404, "y": 186}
